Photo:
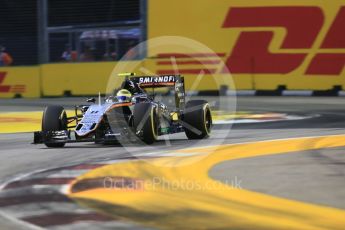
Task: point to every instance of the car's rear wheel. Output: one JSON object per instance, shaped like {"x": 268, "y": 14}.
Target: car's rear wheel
{"x": 145, "y": 122}
{"x": 197, "y": 119}
{"x": 54, "y": 119}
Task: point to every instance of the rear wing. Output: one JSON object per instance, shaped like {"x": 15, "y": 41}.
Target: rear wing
{"x": 156, "y": 81}
{"x": 174, "y": 81}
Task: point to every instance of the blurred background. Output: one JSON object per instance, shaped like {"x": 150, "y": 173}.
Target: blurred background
{"x": 69, "y": 48}
{"x": 57, "y": 52}
{"x": 49, "y": 31}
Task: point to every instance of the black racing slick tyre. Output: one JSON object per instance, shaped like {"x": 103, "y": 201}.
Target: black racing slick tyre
{"x": 54, "y": 119}
{"x": 197, "y": 119}
{"x": 145, "y": 122}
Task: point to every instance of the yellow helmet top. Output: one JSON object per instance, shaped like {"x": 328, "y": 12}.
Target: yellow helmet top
{"x": 124, "y": 95}
{"x": 124, "y": 92}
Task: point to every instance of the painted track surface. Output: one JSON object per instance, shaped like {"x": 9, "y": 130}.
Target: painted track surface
{"x": 298, "y": 176}
{"x": 17, "y": 156}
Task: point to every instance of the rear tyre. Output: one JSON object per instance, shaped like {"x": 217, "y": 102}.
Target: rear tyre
{"x": 54, "y": 119}
{"x": 145, "y": 122}
{"x": 197, "y": 119}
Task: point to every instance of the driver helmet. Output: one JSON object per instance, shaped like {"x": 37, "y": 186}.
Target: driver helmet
{"x": 124, "y": 95}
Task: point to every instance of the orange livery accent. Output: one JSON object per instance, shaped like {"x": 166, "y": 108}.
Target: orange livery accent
{"x": 119, "y": 105}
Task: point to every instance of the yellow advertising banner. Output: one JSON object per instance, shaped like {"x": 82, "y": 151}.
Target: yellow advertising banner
{"x": 78, "y": 79}
{"x": 75, "y": 78}
{"x": 256, "y": 44}
{"x": 19, "y": 82}
{"x": 263, "y": 44}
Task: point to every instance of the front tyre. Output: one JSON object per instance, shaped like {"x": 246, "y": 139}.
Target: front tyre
{"x": 197, "y": 119}
{"x": 145, "y": 122}
{"x": 54, "y": 119}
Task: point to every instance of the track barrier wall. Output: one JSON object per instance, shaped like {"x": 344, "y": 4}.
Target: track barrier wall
{"x": 20, "y": 82}
{"x": 266, "y": 45}
{"x": 75, "y": 78}
{"x": 291, "y": 44}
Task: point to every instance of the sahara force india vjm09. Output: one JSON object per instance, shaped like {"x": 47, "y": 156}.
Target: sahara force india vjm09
{"x": 131, "y": 114}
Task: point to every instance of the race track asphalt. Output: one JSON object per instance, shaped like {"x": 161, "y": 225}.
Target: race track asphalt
{"x": 321, "y": 174}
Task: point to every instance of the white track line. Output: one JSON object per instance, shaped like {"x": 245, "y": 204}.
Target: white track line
{"x": 19, "y": 222}
{"x": 43, "y": 208}
{"x": 32, "y": 190}
{"x": 91, "y": 225}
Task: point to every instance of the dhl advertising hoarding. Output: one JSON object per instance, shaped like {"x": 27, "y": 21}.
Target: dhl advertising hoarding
{"x": 264, "y": 44}
{"x": 75, "y": 78}
{"x": 23, "y": 81}
{"x": 261, "y": 44}
{"x": 78, "y": 79}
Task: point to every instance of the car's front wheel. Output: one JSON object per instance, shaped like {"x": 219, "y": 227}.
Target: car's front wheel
{"x": 54, "y": 119}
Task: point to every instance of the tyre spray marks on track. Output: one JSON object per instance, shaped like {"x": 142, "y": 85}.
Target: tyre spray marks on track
{"x": 38, "y": 200}
{"x": 221, "y": 117}
{"x": 15, "y": 122}
{"x": 168, "y": 193}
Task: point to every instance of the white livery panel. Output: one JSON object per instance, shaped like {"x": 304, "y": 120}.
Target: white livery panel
{"x": 91, "y": 119}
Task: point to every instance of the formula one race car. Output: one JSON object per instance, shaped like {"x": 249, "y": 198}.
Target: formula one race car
{"x": 128, "y": 115}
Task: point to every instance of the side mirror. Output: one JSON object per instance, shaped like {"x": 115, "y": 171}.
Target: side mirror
{"x": 91, "y": 100}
